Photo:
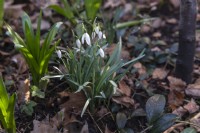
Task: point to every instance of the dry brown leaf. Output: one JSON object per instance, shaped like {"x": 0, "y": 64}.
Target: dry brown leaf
{"x": 107, "y": 130}
{"x": 124, "y": 100}
{"x": 58, "y": 119}
{"x": 180, "y": 111}
{"x": 73, "y": 105}
{"x": 44, "y": 25}
{"x": 157, "y": 23}
{"x": 175, "y": 3}
{"x": 191, "y": 107}
{"x": 43, "y": 127}
{"x": 172, "y": 21}
{"x": 157, "y": 34}
{"x": 196, "y": 121}
{"x": 23, "y": 92}
{"x": 21, "y": 63}
{"x": 193, "y": 89}
{"x": 159, "y": 73}
{"x": 175, "y": 99}
{"x": 85, "y": 128}
{"x": 2, "y": 53}
{"x": 102, "y": 111}
{"x": 176, "y": 84}
{"x": 113, "y": 3}
{"x": 141, "y": 69}
{"x": 13, "y": 11}
{"x": 125, "y": 89}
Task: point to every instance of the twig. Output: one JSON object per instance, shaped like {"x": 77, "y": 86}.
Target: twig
{"x": 94, "y": 122}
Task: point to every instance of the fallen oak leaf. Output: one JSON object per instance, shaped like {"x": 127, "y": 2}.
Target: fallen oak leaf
{"x": 191, "y": 107}
{"x": 193, "y": 89}
{"x": 125, "y": 89}
{"x": 159, "y": 73}
{"x": 124, "y": 100}
{"x": 43, "y": 127}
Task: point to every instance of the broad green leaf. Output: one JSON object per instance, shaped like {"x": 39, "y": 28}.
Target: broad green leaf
{"x": 1, "y": 14}
{"x": 121, "y": 120}
{"x": 4, "y": 101}
{"x": 163, "y": 123}
{"x": 155, "y": 107}
{"x": 66, "y": 11}
{"x": 48, "y": 40}
{"x": 189, "y": 130}
{"x": 37, "y": 92}
{"x": 10, "y": 114}
{"x": 37, "y": 38}
{"x": 92, "y": 6}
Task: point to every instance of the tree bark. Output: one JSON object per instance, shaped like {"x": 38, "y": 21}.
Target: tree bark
{"x": 186, "y": 51}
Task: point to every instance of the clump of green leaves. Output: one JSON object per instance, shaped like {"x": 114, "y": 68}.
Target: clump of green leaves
{"x": 158, "y": 121}
{"x": 88, "y": 68}
{"x": 91, "y": 8}
{"x": 7, "y": 105}
{"x": 37, "y": 55}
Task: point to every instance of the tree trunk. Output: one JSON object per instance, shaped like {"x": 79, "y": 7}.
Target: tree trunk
{"x": 186, "y": 51}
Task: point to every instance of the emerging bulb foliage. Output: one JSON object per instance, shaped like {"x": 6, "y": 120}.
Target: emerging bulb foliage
{"x": 86, "y": 37}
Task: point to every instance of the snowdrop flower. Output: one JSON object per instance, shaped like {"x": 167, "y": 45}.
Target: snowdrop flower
{"x": 96, "y": 29}
{"x": 100, "y": 34}
{"x": 104, "y": 36}
{"x": 86, "y": 38}
{"x": 59, "y": 53}
{"x": 93, "y": 35}
{"x": 78, "y": 43}
{"x": 101, "y": 52}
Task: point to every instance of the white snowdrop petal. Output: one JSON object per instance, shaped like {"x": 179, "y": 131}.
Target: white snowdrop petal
{"x": 83, "y": 38}
{"x": 104, "y": 36}
{"x": 78, "y": 43}
{"x": 101, "y": 52}
{"x": 59, "y": 53}
{"x": 100, "y": 34}
{"x": 96, "y": 29}
{"x": 87, "y": 38}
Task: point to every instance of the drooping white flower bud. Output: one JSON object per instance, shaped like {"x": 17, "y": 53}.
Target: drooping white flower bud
{"x": 101, "y": 52}
{"x": 86, "y": 38}
{"x": 59, "y": 53}
{"x": 78, "y": 43}
{"x": 93, "y": 35}
{"x": 96, "y": 29}
{"x": 100, "y": 34}
{"x": 104, "y": 36}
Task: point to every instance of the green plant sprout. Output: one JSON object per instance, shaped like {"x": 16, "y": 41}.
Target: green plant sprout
{"x": 7, "y": 105}
{"x": 91, "y": 8}
{"x": 37, "y": 55}
{"x": 88, "y": 68}
{"x": 1, "y": 15}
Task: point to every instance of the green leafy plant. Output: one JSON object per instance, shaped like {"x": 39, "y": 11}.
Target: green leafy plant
{"x": 121, "y": 120}
{"x": 7, "y": 105}
{"x": 88, "y": 69}
{"x": 1, "y": 15}
{"x": 158, "y": 121}
{"x": 37, "y": 55}
{"x": 91, "y": 8}
{"x": 66, "y": 11}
